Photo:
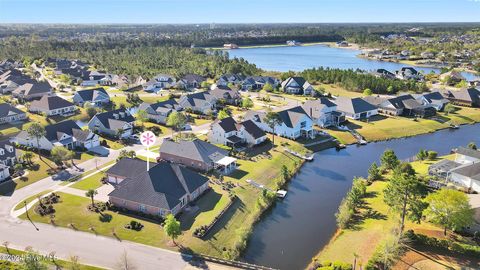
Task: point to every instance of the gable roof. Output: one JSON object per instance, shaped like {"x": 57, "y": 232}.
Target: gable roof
{"x": 353, "y": 105}
{"x": 129, "y": 167}
{"x": 191, "y": 78}
{"x": 227, "y": 124}
{"x": 253, "y": 129}
{"x": 197, "y": 99}
{"x": 33, "y": 88}
{"x": 313, "y": 108}
{"x": 299, "y": 80}
{"x": 471, "y": 95}
{"x": 434, "y": 97}
{"x": 7, "y": 109}
{"x": 404, "y": 101}
{"x": 162, "y": 186}
{"x": 92, "y": 94}
{"x": 51, "y": 103}
{"x": 6, "y": 145}
{"x": 471, "y": 171}
{"x": 224, "y": 92}
{"x": 109, "y": 120}
{"x": 55, "y": 131}
{"x": 468, "y": 152}
{"x": 162, "y": 106}
{"x": 196, "y": 150}
{"x": 292, "y": 117}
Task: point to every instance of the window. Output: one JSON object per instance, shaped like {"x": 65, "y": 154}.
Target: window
{"x": 142, "y": 208}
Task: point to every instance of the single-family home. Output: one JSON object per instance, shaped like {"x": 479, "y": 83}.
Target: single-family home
{"x": 164, "y": 189}
{"x": 95, "y": 97}
{"x": 405, "y": 105}
{"x": 465, "y": 155}
{"x": 226, "y": 95}
{"x": 11, "y": 79}
{"x": 92, "y": 78}
{"x": 253, "y": 83}
{"x": 67, "y": 134}
{"x": 10, "y": 114}
{"x": 52, "y": 105}
{"x": 229, "y": 132}
{"x": 298, "y": 86}
{"x": 467, "y": 97}
{"x": 190, "y": 81}
{"x": 293, "y": 123}
{"x": 32, "y": 90}
{"x": 433, "y": 99}
{"x": 355, "y": 108}
{"x": 197, "y": 154}
{"x": 383, "y": 73}
{"x": 160, "y": 82}
{"x": 323, "y": 112}
{"x": 466, "y": 175}
{"x": 226, "y": 79}
{"x": 116, "y": 123}
{"x": 159, "y": 112}
{"x": 201, "y": 102}
{"x": 409, "y": 73}
{"x": 4, "y": 173}
{"x": 8, "y": 153}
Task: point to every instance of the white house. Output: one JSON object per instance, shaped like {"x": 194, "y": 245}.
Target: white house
{"x": 323, "y": 112}
{"x": 434, "y": 99}
{"x": 466, "y": 155}
{"x": 160, "y": 82}
{"x": 95, "y": 97}
{"x": 231, "y": 133}
{"x": 467, "y": 175}
{"x": 4, "y": 173}
{"x": 9, "y": 114}
{"x": 52, "y": 105}
{"x": 201, "y": 102}
{"x": 116, "y": 123}
{"x": 297, "y": 85}
{"x": 355, "y": 108}
{"x": 292, "y": 123}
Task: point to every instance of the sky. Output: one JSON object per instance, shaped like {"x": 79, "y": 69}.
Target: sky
{"x": 237, "y": 11}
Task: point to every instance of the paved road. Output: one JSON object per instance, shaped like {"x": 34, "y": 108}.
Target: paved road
{"x": 91, "y": 249}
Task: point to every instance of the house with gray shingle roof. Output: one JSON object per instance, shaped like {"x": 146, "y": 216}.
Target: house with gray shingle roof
{"x": 9, "y": 114}
{"x": 95, "y": 97}
{"x": 355, "y": 108}
{"x": 159, "y": 112}
{"x": 294, "y": 123}
{"x": 323, "y": 112}
{"x": 434, "y": 99}
{"x": 229, "y": 132}
{"x": 164, "y": 189}
{"x": 198, "y": 155}
{"x": 297, "y": 85}
{"x": 52, "y": 105}
{"x": 116, "y": 123}
{"x": 201, "y": 102}
{"x": 190, "y": 81}
{"x": 467, "y": 97}
{"x": 32, "y": 90}
{"x": 466, "y": 175}
{"x": 226, "y": 95}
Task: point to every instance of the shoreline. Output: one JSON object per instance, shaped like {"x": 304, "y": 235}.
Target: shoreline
{"x": 351, "y": 46}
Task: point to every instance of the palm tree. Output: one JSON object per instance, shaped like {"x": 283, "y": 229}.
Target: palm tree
{"x": 37, "y": 131}
{"x": 91, "y": 193}
{"x": 27, "y": 156}
{"x": 272, "y": 119}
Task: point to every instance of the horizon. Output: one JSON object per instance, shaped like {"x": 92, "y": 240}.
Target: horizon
{"x": 244, "y": 12}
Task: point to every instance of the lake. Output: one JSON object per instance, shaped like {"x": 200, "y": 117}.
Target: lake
{"x": 284, "y": 58}
{"x": 298, "y": 227}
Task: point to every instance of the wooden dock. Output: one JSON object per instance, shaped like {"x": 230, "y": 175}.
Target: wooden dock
{"x": 308, "y": 158}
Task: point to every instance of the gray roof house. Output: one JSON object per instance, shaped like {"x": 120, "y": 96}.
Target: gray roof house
{"x": 323, "y": 112}
{"x": 33, "y": 90}
{"x": 9, "y": 114}
{"x": 164, "y": 189}
{"x": 95, "y": 97}
{"x": 236, "y": 134}
{"x": 8, "y": 153}
{"x": 160, "y": 82}
{"x": 355, "y": 108}
{"x": 190, "y": 81}
{"x": 52, "y": 105}
{"x": 197, "y": 154}
{"x": 434, "y": 99}
{"x": 116, "y": 123}
{"x": 467, "y": 97}
{"x": 258, "y": 82}
{"x": 229, "y": 96}
{"x": 405, "y": 105}
{"x": 297, "y": 85}
{"x": 201, "y": 102}
{"x": 226, "y": 79}
{"x": 159, "y": 112}
{"x": 467, "y": 175}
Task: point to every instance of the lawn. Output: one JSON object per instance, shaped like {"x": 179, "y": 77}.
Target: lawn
{"x": 91, "y": 182}
{"x": 112, "y": 144}
{"x": 164, "y": 129}
{"x": 30, "y": 199}
{"x": 337, "y": 90}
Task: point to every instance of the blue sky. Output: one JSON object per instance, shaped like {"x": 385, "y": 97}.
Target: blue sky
{"x": 237, "y": 11}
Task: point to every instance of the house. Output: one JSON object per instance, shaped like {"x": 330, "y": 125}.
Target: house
{"x": 433, "y": 99}
{"x": 293, "y": 123}
{"x": 355, "y": 108}
{"x": 92, "y": 78}
{"x": 226, "y": 95}
{"x": 452, "y": 77}
{"x": 11, "y": 79}
{"x": 8, "y": 153}
{"x": 298, "y": 86}
{"x": 198, "y": 155}
{"x": 159, "y": 112}
{"x": 323, "y": 112}
{"x": 4, "y": 173}
{"x": 52, "y": 105}
{"x": 202, "y": 102}
{"x": 9, "y": 114}
{"x": 160, "y": 82}
{"x": 190, "y": 81}
{"x": 253, "y": 83}
{"x": 383, "y": 73}
{"x": 231, "y": 133}
{"x": 164, "y": 189}
{"x": 67, "y": 134}
{"x": 32, "y": 90}
{"x": 120, "y": 80}
{"x": 467, "y": 97}
{"x": 409, "y": 73}
{"x": 126, "y": 168}
{"x": 227, "y": 79}
{"x": 95, "y": 97}
{"x": 116, "y": 123}
{"x": 466, "y": 155}
{"x": 405, "y": 105}
{"x": 467, "y": 176}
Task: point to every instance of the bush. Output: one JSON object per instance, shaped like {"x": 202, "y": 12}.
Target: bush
{"x": 134, "y": 225}
{"x": 460, "y": 248}
{"x": 432, "y": 155}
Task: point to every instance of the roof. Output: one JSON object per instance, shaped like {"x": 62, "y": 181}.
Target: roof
{"x": 198, "y": 99}
{"x": 196, "y": 150}
{"x": 55, "y": 131}
{"x": 7, "y": 109}
{"x": 444, "y": 165}
{"x": 92, "y": 94}
{"x": 115, "y": 119}
{"x": 51, "y": 103}
{"x": 228, "y": 124}
{"x": 162, "y": 186}
{"x": 471, "y": 95}
{"x": 353, "y": 105}
{"x": 129, "y": 167}
{"x": 224, "y": 93}
{"x": 190, "y": 78}
{"x": 292, "y": 117}
{"x": 163, "y": 106}
{"x": 6, "y": 145}
{"x": 468, "y": 152}
{"x": 33, "y": 88}
{"x": 375, "y": 100}
{"x": 314, "y": 107}
{"x": 299, "y": 80}
{"x": 434, "y": 96}
{"x": 471, "y": 171}
{"x": 253, "y": 129}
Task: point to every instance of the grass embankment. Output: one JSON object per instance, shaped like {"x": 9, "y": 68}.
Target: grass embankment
{"x": 374, "y": 225}
{"x": 57, "y": 264}
{"x": 229, "y": 233}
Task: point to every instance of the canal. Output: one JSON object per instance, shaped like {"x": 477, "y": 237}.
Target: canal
{"x": 298, "y": 227}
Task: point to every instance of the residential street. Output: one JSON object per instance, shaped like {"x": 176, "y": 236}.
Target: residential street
{"x": 91, "y": 249}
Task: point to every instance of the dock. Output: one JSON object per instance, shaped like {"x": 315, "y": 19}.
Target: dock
{"x": 280, "y": 193}
{"x": 308, "y": 158}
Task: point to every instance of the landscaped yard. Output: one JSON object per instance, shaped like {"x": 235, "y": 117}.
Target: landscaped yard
{"x": 91, "y": 182}
{"x": 30, "y": 199}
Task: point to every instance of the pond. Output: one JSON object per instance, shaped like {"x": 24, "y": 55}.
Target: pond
{"x": 302, "y": 224}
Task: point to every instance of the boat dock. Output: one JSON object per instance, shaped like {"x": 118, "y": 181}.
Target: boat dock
{"x": 280, "y": 193}
{"x": 308, "y": 158}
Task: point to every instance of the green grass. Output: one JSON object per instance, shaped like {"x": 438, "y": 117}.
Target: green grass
{"x": 92, "y": 182}
{"x": 62, "y": 264}
{"x": 164, "y": 129}
{"x": 30, "y": 199}
{"x": 112, "y": 144}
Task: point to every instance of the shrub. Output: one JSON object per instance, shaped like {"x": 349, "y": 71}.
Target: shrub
{"x": 134, "y": 225}
{"x": 432, "y": 155}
